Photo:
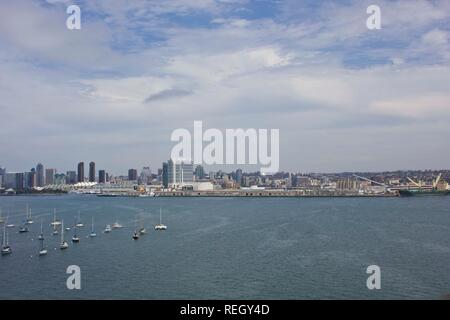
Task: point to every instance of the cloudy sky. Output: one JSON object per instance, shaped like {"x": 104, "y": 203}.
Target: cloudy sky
{"x": 345, "y": 98}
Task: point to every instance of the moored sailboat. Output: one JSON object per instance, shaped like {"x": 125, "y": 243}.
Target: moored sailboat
{"x": 42, "y": 250}
{"x": 93, "y": 234}
{"x": 64, "y": 244}
{"x": 75, "y": 238}
{"x": 6, "y": 249}
{"x": 160, "y": 226}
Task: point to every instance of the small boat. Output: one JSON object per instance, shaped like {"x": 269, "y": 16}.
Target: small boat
{"x": 107, "y": 229}
{"x": 23, "y": 228}
{"x": 79, "y": 224}
{"x": 117, "y": 225}
{"x": 6, "y": 249}
{"x": 29, "y": 218}
{"x": 160, "y": 226}
{"x": 142, "y": 229}
{"x": 64, "y": 244}
{"x": 75, "y": 238}
{"x": 93, "y": 234}
{"x": 136, "y": 233}
{"x": 10, "y": 225}
{"x": 41, "y": 235}
{"x": 42, "y": 250}
{"x": 55, "y": 221}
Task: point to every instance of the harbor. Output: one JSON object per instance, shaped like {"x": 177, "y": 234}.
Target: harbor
{"x": 271, "y": 248}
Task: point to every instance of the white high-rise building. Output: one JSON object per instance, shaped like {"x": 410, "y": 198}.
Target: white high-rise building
{"x": 180, "y": 172}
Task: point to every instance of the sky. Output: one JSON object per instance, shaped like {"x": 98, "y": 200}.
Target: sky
{"x": 344, "y": 97}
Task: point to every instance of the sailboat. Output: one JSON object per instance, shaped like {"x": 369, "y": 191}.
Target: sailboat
{"x": 160, "y": 226}
{"x": 41, "y": 235}
{"x": 55, "y": 230}
{"x": 29, "y": 219}
{"x": 55, "y": 221}
{"x": 136, "y": 232}
{"x": 75, "y": 238}
{"x": 42, "y": 250}
{"x": 142, "y": 229}
{"x": 64, "y": 244}
{"x": 93, "y": 234}
{"x": 6, "y": 249}
{"x": 79, "y": 224}
{"x": 24, "y": 228}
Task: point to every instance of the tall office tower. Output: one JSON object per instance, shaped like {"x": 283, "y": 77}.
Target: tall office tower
{"x": 165, "y": 174}
{"x": 132, "y": 174}
{"x": 92, "y": 171}
{"x": 50, "y": 176}
{"x": 71, "y": 177}
{"x": 80, "y": 173}
{"x": 29, "y": 179}
{"x": 14, "y": 180}
{"x": 239, "y": 176}
{"x": 2, "y": 176}
{"x": 199, "y": 172}
{"x": 179, "y": 172}
{"x": 101, "y": 176}
{"x": 40, "y": 179}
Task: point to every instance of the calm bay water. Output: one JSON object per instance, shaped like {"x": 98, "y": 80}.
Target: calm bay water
{"x": 232, "y": 248}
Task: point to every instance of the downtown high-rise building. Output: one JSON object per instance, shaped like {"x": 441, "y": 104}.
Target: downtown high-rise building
{"x": 50, "y": 176}
{"x": 2, "y": 176}
{"x": 71, "y": 177}
{"x": 30, "y": 179}
{"x": 199, "y": 172}
{"x": 132, "y": 174}
{"x": 177, "y": 173}
{"x": 40, "y": 178}
{"x": 92, "y": 171}
{"x": 80, "y": 172}
{"x": 101, "y": 176}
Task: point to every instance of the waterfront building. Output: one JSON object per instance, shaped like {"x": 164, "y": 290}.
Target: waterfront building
{"x": 347, "y": 184}
{"x": 71, "y": 177}
{"x": 101, "y": 176}
{"x": 92, "y": 171}
{"x": 146, "y": 176}
{"x": 40, "y": 179}
{"x": 80, "y": 172}
{"x": 50, "y": 176}
{"x": 199, "y": 172}
{"x": 60, "y": 178}
{"x": 238, "y": 177}
{"x": 132, "y": 174}
{"x": 14, "y": 180}
{"x": 2, "y": 175}
{"x": 30, "y": 179}
{"x": 165, "y": 175}
{"x": 179, "y": 173}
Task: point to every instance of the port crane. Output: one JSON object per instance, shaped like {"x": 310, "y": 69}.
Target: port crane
{"x": 373, "y": 181}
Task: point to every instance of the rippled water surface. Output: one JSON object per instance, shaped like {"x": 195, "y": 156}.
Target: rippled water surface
{"x": 233, "y": 248}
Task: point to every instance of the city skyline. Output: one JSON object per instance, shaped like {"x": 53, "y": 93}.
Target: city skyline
{"x": 116, "y": 89}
